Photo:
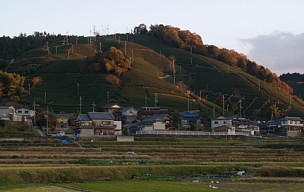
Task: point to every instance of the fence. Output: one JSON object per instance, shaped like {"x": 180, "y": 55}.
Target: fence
{"x": 188, "y": 133}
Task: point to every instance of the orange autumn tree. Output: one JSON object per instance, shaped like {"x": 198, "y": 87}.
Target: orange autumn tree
{"x": 37, "y": 80}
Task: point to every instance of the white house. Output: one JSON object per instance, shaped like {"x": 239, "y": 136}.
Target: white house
{"x": 7, "y": 112}
{"x": 25, "y": 112}
{"x": 241, "y": 125}
{"x": 293, "y": 126}
{"x": 221, "y": 121}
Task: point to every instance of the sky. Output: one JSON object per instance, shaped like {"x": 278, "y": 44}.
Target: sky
{"x": 270, "y": 32}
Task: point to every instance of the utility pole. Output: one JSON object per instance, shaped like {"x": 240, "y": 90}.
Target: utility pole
{"x": 132, "y": 57}
{"x": 240, "y": 108}
{"x": 80, "y": 104}
{"x": 47, "y": 47}
{"x": 29, "y": 88}
{"x": 78, "y": 88}
{"x": 191, "y": 56}
{"x": 93, "y": 106}
{"x": 188, "y": 93}
{"x": 108, "y": 97}
{"x": 223, "y": 105}
{"x": 47, "y": 120}
{"x": 56, "y": 49}
{"x": 173, "y": 68}
{"x": 200, "y": 94}
{"x": 125, "y": 48}
{"x": 34, "y": 120}
{"x": 100, "y": 47}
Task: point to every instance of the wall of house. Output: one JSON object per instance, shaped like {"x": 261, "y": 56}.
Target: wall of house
{"x": 103, "y": 123}
{"x": 86, "y": 132}
{"x": 220, "y": 122}
{"x": 159, "y": 126}
{"x": 117, "y": 129}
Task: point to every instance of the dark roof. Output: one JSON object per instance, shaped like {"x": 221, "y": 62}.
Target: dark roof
{"x": 292, "y": 118}
{"x": 83, "y": 117}
{"x": 190, "y": 116}
{"x": 63, "y": 116}
{"x": 101, "y": 116}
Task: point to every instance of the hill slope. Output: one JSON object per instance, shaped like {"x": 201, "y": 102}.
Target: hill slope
{"x": 210, "y": 82}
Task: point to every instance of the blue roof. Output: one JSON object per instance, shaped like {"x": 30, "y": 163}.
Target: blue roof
{"x": 189, "y": 116}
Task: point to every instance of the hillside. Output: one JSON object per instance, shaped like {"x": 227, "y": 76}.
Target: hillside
{"x": 211, "y": 81}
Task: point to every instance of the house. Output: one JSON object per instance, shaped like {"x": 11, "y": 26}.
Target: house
{"x": 7, "y": 112}
{"x": 241, "y": 125}
{"x": 229, "y": 130}
{"x": 146, "y": 111}
{"x": 97, "y": 124}
{"x": 221, "y": 121}
{"x": 129, "y": 115}
{"x": 292, "y": 126}
{"x": 26, "y": 114}
{"x": 115, "y": 110}
{"x": 62, "y": 120}
{"x": 188, "y": 120}
{"x": 154, "y": 123}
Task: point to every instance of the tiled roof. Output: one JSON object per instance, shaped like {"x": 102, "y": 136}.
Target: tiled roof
{"x": 83, "y": 117}
{"x": 100, "y": 116}
{"x": 292, "y": 118}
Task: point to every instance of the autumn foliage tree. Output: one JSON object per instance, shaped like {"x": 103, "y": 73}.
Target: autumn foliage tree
{"x": 113, "y": 80}
{"x": 37, "y": 80}
{"x": 11, "y": 84}
{"x": 184, "y": 39}
{"x": 112, "y": 62}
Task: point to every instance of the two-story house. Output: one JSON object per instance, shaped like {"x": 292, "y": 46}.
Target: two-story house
{"x": 154, "y": 123}
{"x": 292, "y": 126}
{"x": 237, "y": 125}
{"x": 223, "y": 124}
{"x": 97, "y": 124}
{"x": 189, "y": 120}
{"x": 62, "y": 120}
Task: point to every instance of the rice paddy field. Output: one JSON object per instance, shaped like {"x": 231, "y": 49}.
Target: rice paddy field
{"x": 153, "y": 164}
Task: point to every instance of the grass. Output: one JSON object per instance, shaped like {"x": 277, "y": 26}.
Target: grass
{"x": 159, "y": 186}
{"x": 139, "y": 186}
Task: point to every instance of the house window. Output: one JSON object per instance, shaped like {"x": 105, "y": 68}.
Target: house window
{"x": 215, "y": 122}
{"x": 26, "y": 111}
{"x": 225, "y": 122}
{"x": 105, "y": 123}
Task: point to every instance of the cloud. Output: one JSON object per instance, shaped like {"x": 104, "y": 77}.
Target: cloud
{"x": 281, "y": 52}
